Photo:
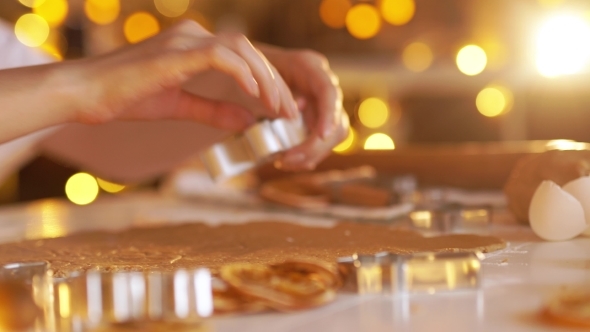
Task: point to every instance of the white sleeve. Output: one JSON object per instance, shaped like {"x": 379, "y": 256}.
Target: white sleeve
{"x": 15, "y": 153}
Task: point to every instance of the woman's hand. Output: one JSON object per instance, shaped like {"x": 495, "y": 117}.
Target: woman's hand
{"x": 144, "y": 81}
{"x": 316, "y": 89}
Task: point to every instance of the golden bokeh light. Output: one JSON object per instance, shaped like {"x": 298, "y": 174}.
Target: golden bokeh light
{"x": 109, "y": 187}
{"x": 379, "y": 141}
{"x": 333, "y": 12}
{"x": 51, "y": 221}
{"x": 566, "y": 144}
{"x": 63, "y": 290}
{"x": 550, "y": 3}
{"x": 562, "y": 46}
{"x": 32, "y": 3}
{"x": 494, "y": 100}
{"x": 363, "y": 21}
{"x": 51, "y": 50}
{"x": 172, "y": 8}
{"x": 82, "y": 188}
{"x": 31, "y": 30}
{"x": 417, "y": 57}
{"x": 140, "y": 26}
{"x": 348, "y": 142}
{"x": 398, "y": 12}
{"x": 471, "y": 60}
{"x": 53, "y": 11}
{"x": 373, "y": 112}
{"x": 102, "y": 12}
{"x": 56, "y": 45}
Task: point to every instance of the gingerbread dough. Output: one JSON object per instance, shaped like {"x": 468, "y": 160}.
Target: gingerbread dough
{"x": 193, "y": 245}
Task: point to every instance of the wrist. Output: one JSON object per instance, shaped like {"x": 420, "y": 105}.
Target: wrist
{"x": 66, "y": 87}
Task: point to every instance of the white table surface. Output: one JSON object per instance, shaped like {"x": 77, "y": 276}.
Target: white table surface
{"x": 516, "y": 281}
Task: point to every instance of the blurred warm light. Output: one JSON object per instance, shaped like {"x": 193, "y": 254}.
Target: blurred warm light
{"x": 102, "y": 12}
{"x": 109, "y": 187}
{"x": 550, "y": 3}
{"x": 494, "y": 100}
{"x": 333, "y": 12}
{"x": 363, "y": 21}
{"x": 51, "y": 221}
{"x": 51, "y": 50}
{"x": 32, "y": 3}
{"x": 471, "y": 60}
{"x": 373, "y": 112}
{"x": 566, "y": 144}
{"x": 347, "y": 143}
{"x": 379, "y": 141}
{"x": 53, "y": 11}
{"x": 495, "y": 52}
{"x": 31, "y": 30}
{"x": 140, "y": 26}
{"x": 563, "y": 45}
{"x": 63, "y": 290}
{"x": 81, "y": 188}
{"x": 172, "y": 8}
{"x": 398, "y": 12}
{"x": 56, "y": 45}
{"x": 417, "y": 57}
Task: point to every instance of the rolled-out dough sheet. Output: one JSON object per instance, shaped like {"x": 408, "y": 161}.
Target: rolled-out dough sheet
{"x": 165, "y": 248}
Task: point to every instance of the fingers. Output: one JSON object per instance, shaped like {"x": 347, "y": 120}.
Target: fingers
{"x": 288, "y": 102}
{"x": 273, "y": 91}
{"x": 307, "y": 155}
{"x": 197, "y": 55}
{"x": 329, "y": 105}
{"x": 217, "y": 114}
{"x": 323, "y": 85}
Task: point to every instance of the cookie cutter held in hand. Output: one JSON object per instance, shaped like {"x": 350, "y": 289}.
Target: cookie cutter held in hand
{"x": 415, "y": 273}
{"x": 256, "y": 145}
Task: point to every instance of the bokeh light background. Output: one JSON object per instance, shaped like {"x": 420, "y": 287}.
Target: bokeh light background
{"x": 412, "y": 71}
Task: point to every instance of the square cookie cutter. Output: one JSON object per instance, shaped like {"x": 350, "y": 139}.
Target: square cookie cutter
{"x": 416, "y": 273}
{"x": 256, "y": 145}
{"x": 451, "y": 218}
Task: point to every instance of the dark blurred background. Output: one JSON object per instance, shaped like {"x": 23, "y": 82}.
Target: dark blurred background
{"x": 412, "y": 71}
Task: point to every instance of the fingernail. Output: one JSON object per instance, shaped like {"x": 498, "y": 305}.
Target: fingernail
{"x": 294, "y": 158}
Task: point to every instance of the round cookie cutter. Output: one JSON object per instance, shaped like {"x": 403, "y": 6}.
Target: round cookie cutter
{"x": 256, "y": 145}
{"x": 94, "y": 299}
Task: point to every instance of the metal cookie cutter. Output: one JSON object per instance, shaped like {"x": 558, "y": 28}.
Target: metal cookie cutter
{"x": 94, "y": 299}
{"x": 256, "y": 145}
{"x": 451, "y": 218}
{"x": 417, "y": 273}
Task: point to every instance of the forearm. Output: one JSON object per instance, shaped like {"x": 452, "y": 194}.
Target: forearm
{"x": 33, "y": 98}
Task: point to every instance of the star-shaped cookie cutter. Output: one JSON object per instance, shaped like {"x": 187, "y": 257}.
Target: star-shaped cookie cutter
{"x": 256, "y": 145}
